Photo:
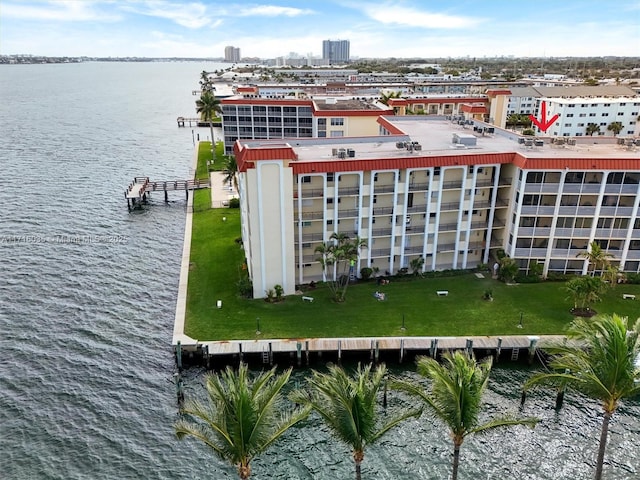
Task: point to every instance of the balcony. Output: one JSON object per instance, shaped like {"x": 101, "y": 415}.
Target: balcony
{"x": 308, "y": 258}
{"x": 383, "y": 189}
{"x": 452, "y": 185}
{"x": 620, "y": 188}
{"x": 410, "y": 250}
{"x": 348, "y": 213}
{"x": 380, "y": 252}
{"x": 446, "y": 247}
{"x": 633, "y": 255}
{"x": 348, "y": 191}
{"x": 478, "y": 225}
{"x": 309, "y": 237}
{"x": 505, "y": 182}
{"x": 496, "y": 242}
{"x": 383, "y": 210}
{"x": 381, "y": 232}
{"x": 500, "y": 203}
{"x": 417, "y": 209}
{"x": 311, "y": 215}
{"x": 482, "y": 205}
{"x": 414, "y": 229}
{"x": 310, "y": 193}
{"x": 572, "y": 188}
{"x": 413, "y": 187}
{"x": 541, "y": 188}
{"x": 449, "y": 206}
{"x": 484, "y": 183}
{"x": 448, "y": 227}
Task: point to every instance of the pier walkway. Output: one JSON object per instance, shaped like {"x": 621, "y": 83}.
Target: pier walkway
{"x": 138, "y": 190}
{"x": 268, "y": 351}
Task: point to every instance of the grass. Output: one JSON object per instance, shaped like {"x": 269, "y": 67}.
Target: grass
{"x": 216, "y": 266}
{"x": 204, "y": 156}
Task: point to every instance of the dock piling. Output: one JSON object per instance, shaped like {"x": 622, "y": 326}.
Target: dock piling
{"x": 433, "y": 351}
{"x": 377, "y": 354}
{"x": 469, "y": 347}
{"x": 179, "y": 355}
{"x": 532, "y": 348}
{"x": 306, "y": 347}
{"x": 299, "y": 352}
{"x": 498, "y": 349}
{"x": 401, "y": 349}
{"x": 339, "y": 351}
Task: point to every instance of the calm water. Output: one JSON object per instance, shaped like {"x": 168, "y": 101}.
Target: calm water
{"x": 87, "y": 298}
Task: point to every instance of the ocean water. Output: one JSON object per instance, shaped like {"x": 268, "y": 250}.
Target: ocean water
{"x": 87, "y": 301}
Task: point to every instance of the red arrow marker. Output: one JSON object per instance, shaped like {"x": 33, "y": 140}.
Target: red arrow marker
{"x": 542, "y": 124}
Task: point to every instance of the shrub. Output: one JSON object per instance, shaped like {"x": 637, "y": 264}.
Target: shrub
{"x": 279, "y": 292}
{"x": 500, "y": 253}
{"x": 234, "y": 203}
{"x": 366, "y": 272}
{"x": 488, "y": 294}
{"x": 527, "y": 279}
{"x": 528, "y": 131}
{"x": 245, "y": 287}
{"x": 271, "y": 295}
{"x": 633, "y": 278}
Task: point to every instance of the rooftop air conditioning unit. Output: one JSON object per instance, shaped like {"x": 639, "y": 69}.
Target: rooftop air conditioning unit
{"x": 399, "y": 144}
{"x": 351, "y": 153}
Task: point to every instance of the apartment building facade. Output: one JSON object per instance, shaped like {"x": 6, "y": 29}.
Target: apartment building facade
{"x": 279, "y": 118}
{"x": 336, "y": 51}
{"x": 412, "y": 193}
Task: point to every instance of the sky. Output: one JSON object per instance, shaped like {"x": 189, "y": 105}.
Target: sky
{"x": 274, "y": 28}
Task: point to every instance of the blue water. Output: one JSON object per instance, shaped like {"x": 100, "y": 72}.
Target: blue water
{"x": 87, "y": 302}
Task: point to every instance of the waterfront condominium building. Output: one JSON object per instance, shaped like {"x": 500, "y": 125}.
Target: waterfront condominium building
{"x": 231, "y": 54}
{"x": 278, "y": 118}
{"x": 447, "y": 192}
{"x": 335, "y": 51}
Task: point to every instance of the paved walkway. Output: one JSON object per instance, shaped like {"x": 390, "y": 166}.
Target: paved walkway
{"x": 221, "y": 192}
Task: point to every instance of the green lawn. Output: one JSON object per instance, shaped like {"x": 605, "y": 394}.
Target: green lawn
{"x": 216, "y": 265}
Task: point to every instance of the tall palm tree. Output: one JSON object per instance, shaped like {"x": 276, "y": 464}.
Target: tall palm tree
{"x": 242, "y": 418}
{"x": 602, "y": 366}
{"x": 597, "y": 257}
{"x": 337, "y": 255}
{"x": 230, "y": 171}
{"x": 349, "y": 406}
{"x": 455, "y": 397}
{"x": 208, "y": 106}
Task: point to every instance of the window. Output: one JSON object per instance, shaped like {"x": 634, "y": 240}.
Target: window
{"x": 605, "y": 114}
{"x": 330, "y": 177}
{"x": 329, "y": 201}
{"x": 582, "y": 115}
{"x": 570, "y": 114}
{"x": 607, "y": 104}
{"x": 329, "y": 222}
{"x": 567, "y": 124}
{"x": 592, "y": 114}
{"x": 337, "y": 133}
{"x": 581, "y": 124}
{"x": 337, "y": 122}
{"x": 306, "y": 179}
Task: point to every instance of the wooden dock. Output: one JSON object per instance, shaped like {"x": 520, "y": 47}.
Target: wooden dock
{"x": 141, "y": 187}
{"x": 395, "y": 349}
{"x": 195, "y": 122}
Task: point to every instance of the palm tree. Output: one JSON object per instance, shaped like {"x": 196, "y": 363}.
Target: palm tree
{"x": 455, "y": 397}
{"x": 348, "y": 405}
{"x": 615, "y": 127}
{"x": 243, "y": 417}
{"x": 205, "y": 82}
{"x": 585, "y": 291}
{"x": 385, "y": 97}
{"x": 416, "y": 265}
{"x": 592, "y": 128}
{"x": 230, "y": 171}
{"x": 597, "y": 257}
{"x": 338, "y": 254}
{"x": 601, "y": 366}
{"x": 208, "y": 106}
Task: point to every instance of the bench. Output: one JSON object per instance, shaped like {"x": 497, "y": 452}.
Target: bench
{"x": 442, "y": 293}
{"x": 219, "y": 304}
{"x": 307, "y": 299}
{"x": 628, "y": 296}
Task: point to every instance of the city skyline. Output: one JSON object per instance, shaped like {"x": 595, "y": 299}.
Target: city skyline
{"x": 202, "y": 29}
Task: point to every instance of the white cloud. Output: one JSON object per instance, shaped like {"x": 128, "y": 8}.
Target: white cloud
{"x": 189, "y": 15}
{"x": 391, "y": 14}
{"x": 273, "y": 11}
{"x": 65, "y": 11}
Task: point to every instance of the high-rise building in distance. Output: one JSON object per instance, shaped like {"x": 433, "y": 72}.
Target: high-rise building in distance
{"x": 335, "y": 51}
{"x": 231, "y": 54}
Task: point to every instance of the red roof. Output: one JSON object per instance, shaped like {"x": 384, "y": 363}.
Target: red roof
{"x": 497, "y": 91}
{"x": 399, "y": 163}
{"x": 527, "y": 163}
{"x": 391, "y": 128}
{"x": 247, "y": 156}
{"x": 266, "y": 101}
{"x": 475, "y": 108}
{"x": 399, "y": 102}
